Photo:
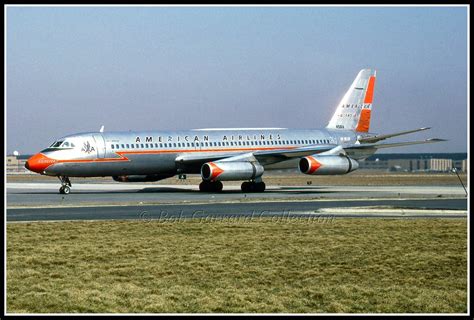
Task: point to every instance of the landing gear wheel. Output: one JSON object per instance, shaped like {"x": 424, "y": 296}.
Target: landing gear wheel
{"x": 217, "y": 186}
{"x": 204, "y": 186}
{"x": 260, "y": 187}
{"x": 210, "y": 186}
{"x": 65, "y": 185}
{"x": 66, "y": 190}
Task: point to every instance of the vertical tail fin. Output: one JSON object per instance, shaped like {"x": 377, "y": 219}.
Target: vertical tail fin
{"x": 353, "y": 112}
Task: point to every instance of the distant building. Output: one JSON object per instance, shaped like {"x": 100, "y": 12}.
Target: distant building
{"x": 412, "y": 162}
{"x": 460, "y": 165}
{"x": 16, "y": 163}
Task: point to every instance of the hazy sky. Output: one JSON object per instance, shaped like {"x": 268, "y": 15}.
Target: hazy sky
{"x": 73, "y": 69}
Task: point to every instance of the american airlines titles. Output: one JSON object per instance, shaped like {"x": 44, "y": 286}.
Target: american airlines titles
{"x": 254, "y": 137}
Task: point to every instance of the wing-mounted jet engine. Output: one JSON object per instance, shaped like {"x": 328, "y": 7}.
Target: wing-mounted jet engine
{"x": 243, "y": 167}
{"x": 332, "y": 162}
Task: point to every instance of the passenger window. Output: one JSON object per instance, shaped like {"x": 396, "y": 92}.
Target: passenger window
{"x": 132, "y": 145}
{"x": 112, "y": 146}
{"x": 123, "y": 146}
{"x": 128, "y": 146}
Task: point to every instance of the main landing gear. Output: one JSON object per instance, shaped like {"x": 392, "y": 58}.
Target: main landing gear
{"x": 247, "y": 186}
{"x": 65, "y": 185}
{"x": 253, "y": 186}
{"x": 210, "y": 186}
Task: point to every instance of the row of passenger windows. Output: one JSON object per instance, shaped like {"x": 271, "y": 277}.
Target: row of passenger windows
{"x": 214, "y": 144}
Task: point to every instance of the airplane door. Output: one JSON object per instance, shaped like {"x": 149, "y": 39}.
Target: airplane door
{"x": 100, "y": 143}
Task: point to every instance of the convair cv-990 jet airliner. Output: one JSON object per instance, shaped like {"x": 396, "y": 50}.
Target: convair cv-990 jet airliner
{"x": 242, "y": 154}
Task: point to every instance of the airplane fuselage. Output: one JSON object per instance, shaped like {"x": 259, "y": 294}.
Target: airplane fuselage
{"x": 156, "y": 152}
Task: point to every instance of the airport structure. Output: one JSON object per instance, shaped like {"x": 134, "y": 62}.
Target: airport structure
{"x": 416, "y": 162}
{"x": 16, "y": 164}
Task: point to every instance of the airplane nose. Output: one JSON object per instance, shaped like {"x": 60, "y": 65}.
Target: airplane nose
{"x": 38, "y": 163}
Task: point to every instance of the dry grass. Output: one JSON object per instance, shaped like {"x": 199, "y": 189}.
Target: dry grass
{"x": 263, "y": 265}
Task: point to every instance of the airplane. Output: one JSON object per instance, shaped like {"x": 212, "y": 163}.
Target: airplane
{"x": 230, "y": 154}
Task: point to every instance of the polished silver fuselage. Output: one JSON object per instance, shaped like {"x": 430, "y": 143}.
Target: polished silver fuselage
{"x": 156, "y": 152}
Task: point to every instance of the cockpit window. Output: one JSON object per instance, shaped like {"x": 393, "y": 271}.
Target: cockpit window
{"x": 62, "y": 144}
{"x": 56, "y": 144}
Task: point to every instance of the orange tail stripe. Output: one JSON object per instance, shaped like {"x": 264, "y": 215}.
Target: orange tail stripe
{"x": 370, "y": 90}
{"x": 364, "y": 121}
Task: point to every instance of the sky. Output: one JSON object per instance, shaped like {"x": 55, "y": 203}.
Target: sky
{"x": 74, "y": 69}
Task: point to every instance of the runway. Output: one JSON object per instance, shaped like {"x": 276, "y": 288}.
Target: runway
{"x": 309, "y": 209}
{"x": 41, "y": 202}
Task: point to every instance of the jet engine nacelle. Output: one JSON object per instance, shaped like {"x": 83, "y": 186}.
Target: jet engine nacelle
{"x": 141, "y": 178}
{"x": 231, "y": 170}
{"x": 327, "y": 164}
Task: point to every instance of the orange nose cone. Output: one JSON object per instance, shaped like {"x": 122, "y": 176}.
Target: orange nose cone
{"x": 38, "y": 163}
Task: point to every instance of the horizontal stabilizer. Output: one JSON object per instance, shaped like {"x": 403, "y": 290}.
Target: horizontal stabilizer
{"x": 386, "y": 136}
{"x": 391, "y": 145}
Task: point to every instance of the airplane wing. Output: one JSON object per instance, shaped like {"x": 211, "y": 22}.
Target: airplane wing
{"x": 386, "y": 136}
{"x": 266, "y": 157}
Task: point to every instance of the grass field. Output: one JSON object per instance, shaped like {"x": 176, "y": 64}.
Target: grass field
{"x": 262, "y": 265}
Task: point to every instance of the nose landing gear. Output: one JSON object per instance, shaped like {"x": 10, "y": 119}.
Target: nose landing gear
{"x": 65, "y": 185}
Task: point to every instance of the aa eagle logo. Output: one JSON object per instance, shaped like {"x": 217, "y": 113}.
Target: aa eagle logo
{"x": 87, "y": 148}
